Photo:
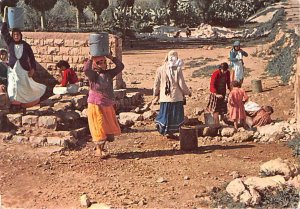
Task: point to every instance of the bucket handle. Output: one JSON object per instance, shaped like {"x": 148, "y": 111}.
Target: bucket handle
{"x": 5, "y": 14}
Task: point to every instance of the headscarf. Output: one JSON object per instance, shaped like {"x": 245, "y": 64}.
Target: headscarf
{"x": 236, "y": 43}
{"x": 172, "y": 61}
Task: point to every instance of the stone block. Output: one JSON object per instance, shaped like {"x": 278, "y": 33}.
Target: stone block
{"x": 79, "y": 101}
{"x": 20, "y": 139}
{"x": 69, "y": 116}
{"x": 47, "y": 102}
{"x": 67, "y": 58}
{"x": 58, "y": 42}
{"x": 40, "y": 140}
{"x": 54, "y": 141}
{"x": 48, "y": 58}
{"x": 74, "y": 51}
{"x": 49, "y": 42}
{"x": 43, "y": 50}
{"x": 80, "y": 43}
{"x": 62, "y": 106}
{"x": 15, "y": 119}
{"x": 5, "y": 136}
{"x": 79, "y": 133}
{"x": 69, "y": 42}
{"x": 57, "y": 58}
{"x": 53, "y": 50}
{"x": 64, "y": 51}
{"x": 30, "y": 120}
{"x": 48, "y": 122}
{"x": 85, "y": 51}
{"x": 131, "y": 116}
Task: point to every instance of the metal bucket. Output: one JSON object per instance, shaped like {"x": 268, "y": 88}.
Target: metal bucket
{"x": 256, "y": 86}
{"x": 15, "y": 17}
{"x": 99, "y": 44}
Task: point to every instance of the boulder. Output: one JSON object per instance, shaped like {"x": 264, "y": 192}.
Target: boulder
{"x": 294, "y": 182}
{"x": 227, "y": 132}
{"x": 262, "y": 184}
{"x": 47, "y": 102}
{"x": 48, "y": 122}
{"x": 40, "y": 140}
{"x": 278, "y": 167}
{"x": 119, "y": 93}
{"x": 14, "y": 119}
{"x": 149, "y": 115}
{"x": 62, "y": 106}
{"x": 5, "y": 136}
{"x": 243, "y": 136}
{"x": 236, "y": 188}
{"x": 79, "y": 101}
{"x": 130, "y": 116}
{"x": 20, "y": 139}
{"x": 30, "y": 120}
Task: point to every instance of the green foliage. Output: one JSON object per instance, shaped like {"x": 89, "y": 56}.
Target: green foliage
{"x": 41, "y": 5}
{"x": 80, "y": 4}
{"x": 295, "y": 146}
{"x": 282, "y": 63}
{"x": 287, "y": 197}
{"x": 98, "y": 6}
{"x": 9, "y": 3}
{"x": 234, "y": 12}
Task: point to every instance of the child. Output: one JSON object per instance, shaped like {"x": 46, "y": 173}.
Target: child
{"x": 102, "y": 120}
{"x": 4, "y": 100}
{"x": 236, "y": 99}
{"x": 3, "y": 70}
{"x": 69, "y": 79}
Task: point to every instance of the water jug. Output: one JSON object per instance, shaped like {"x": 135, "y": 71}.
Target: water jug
{"x": 16, "y": 17}
{"x": 256, "y": 86}
{"x": 99, "y": 44}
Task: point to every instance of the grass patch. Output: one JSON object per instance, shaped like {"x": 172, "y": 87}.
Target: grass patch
{"x": 208, "y": 70}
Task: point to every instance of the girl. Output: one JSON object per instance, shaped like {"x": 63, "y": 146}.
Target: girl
{"x": 102, "y": 119}
{"x": 69, "y": 79}
{"x": 236, "y": 99}
{"x": 236, "y": 58}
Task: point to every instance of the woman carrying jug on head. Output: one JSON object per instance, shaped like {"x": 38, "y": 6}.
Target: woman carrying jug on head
{"x": 22, "y": 90}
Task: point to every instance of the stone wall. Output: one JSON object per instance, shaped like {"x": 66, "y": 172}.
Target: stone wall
{"x": 297, "y": 91}
{"x": 50, "y": 47}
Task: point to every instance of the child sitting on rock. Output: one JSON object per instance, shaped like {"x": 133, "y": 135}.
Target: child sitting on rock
{"x": 69, "y": 83}
{"x": 236, "y": 99}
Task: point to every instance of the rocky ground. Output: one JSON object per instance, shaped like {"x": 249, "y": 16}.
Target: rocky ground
{"x": 147, "y": 170}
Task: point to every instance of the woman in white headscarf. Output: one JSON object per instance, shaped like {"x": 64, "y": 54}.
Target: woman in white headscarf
{"x": 169, "y": 89}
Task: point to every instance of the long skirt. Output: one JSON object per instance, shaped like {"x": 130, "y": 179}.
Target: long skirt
{"x": 170, "y": 117}
{"x": 22, "y": 89}
{"x": 102, "y": 122}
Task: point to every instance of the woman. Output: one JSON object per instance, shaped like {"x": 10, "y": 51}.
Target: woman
{"x": 217, "y": 104}
{"x": 170, "y": 88}
{"x": 22, "y": 89}
{"x": 236, "y": 58}
{"x": 69, "y": 82}
{"x": 102, "y": 119}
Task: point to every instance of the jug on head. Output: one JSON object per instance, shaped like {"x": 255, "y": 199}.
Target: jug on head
{"x": 16, "y": 17}
{"x": 99, "y": 44}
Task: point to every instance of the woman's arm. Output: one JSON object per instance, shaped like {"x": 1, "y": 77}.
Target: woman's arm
{"x": 156, "y": 88}
{"x": 182, "y": 84}
{"x": 5, "y": 33}
{"x": 119, "y": 66}
{"x": 89, "y": 72}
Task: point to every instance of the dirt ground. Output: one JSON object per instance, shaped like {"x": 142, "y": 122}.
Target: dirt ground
{"x": 42, "y": 178}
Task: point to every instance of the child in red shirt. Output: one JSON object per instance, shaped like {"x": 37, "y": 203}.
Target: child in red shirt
{"x": 69, "y": 79}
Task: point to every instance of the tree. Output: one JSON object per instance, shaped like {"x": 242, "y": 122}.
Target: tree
{"x": 9, "y": 3}
{"x": 41, "y": 6}
{"x": 80, "y": 5}
{"x": 98, "y": 6}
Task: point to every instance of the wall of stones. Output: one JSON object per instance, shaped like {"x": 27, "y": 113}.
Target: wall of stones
{"x": 51, "y": 47}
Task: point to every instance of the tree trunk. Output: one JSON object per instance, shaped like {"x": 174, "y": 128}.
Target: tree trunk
{"x": 43, "y": 20}
{"x": 78, "y": 19}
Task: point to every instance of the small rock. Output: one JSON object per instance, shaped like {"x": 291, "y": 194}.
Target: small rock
{"x": 292, "y": 120}
{"x": 186, "y": 178}
{"x": 235, "y": 174}
{"x": 205, "y": 173}
{"x": 161, "y": 180}
{"x": 85, "y": 201}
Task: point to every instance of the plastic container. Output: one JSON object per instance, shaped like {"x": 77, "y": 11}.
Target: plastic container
{"x": 99, "y": 44}
{"x": 15, "y": 17}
